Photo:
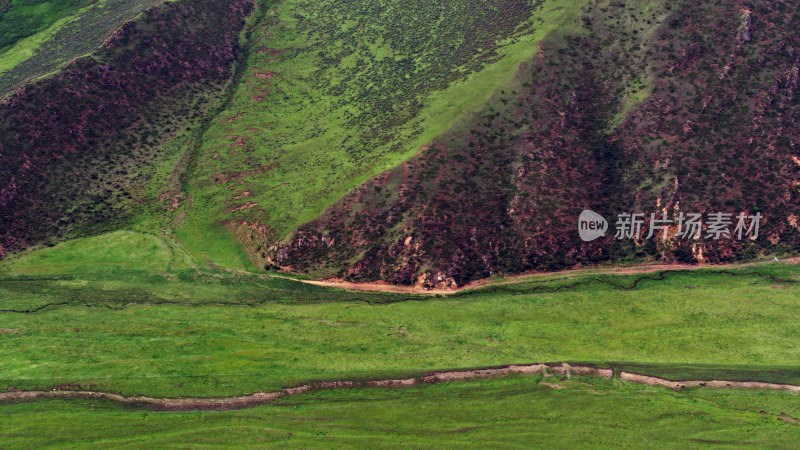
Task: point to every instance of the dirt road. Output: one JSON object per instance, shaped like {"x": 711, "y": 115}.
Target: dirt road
{"x": 380, "y": 286}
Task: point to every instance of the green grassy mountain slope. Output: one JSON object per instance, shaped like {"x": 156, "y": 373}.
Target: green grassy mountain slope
{"x": 169, "y": 184}
{"x": 355, "y": 139}
{"x": 642, "y": 107}
{"x": 39, "y": 36}
{"x": 335, "y": 92}
{"x": 328, "y": 94}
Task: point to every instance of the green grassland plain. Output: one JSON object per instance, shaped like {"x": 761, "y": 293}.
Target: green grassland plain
{"x": 161, "y": 330}
{"x": 153, "y": 330}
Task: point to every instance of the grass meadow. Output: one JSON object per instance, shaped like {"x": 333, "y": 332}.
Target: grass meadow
{"x": 167, "y": 329}
{"x": 513, "y": 412}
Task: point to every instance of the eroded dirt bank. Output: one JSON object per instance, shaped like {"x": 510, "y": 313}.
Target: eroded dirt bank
{"x": 262, "y": 398}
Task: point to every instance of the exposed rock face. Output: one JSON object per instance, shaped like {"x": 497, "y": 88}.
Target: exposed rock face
{"x": 439, "y": 280}
{"x": 701, "y": 115}
{"x": 71, "y": 145}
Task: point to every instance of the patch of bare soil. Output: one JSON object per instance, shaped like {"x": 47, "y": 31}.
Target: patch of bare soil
{"x": 243, "y": 207}
{"x": 678, "y": 385}
{"x": 377, "y": 286}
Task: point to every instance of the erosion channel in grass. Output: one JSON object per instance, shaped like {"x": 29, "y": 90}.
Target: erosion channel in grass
{"x": 504, "y": 412}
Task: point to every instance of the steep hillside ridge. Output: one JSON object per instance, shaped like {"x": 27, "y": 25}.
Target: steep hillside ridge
{"x": 646, "y": 106}
{"x": 75, "y": 147}
{"x": 40, "y": 36}
{"x": 338, "y": 91}
{"x": 721, "y": 131}
{"x": 20, "y": 18}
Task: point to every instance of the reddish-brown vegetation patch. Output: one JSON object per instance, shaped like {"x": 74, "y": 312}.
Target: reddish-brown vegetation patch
{"x": 72, "y": 145}
{"x": 716, "y": 134}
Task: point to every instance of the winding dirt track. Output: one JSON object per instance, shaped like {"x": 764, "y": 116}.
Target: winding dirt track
{"x": 262, "y": 398}
{"x": 381, "y": 286}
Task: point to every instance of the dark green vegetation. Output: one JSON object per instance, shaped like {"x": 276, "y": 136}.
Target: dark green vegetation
{"x": 509, "y": 412}
{"x": 637, "y": 106}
